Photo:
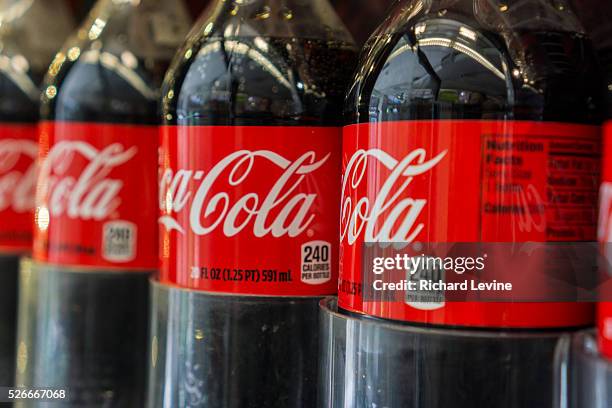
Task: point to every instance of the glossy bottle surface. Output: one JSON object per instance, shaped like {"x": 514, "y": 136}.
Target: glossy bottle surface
{"x": 28, "y": 41}
{"x": 462, "y": 87}
{"x": 250, "y": 157}
{"x": 95, "y": 239}
{"x": 245, "y": 68}
{"x": 466, "y": 59}
{"x": 98, "y": 136}
{"x": 596, "y": 17}
{"x": 262, "y": 63}
{"x": 111, "y": 69}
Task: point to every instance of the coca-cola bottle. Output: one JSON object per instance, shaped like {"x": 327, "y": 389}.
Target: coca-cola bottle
{"x": 596, "y": 17}
{"x": 472, "y": 122}
{"x": 591, "y": 372}
{"x": 30, "y": 34}
{"x": 591, "y": 379}
{"x": 250, "y": 168}
{"x": 604, "y": 307}
{"x": 84, "y": 307}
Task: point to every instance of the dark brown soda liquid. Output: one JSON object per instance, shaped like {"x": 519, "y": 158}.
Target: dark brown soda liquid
{"x": 16, "y": 107}
{"x": 562, "y": 84}
{"x": 262, "y": 346}
{"x": 524, "y": 75}
{"x": 412, "y": 70}
{"x": 27, "y": 47}
{"x": 109, "y": 72}
{"x": 262, "y": 81}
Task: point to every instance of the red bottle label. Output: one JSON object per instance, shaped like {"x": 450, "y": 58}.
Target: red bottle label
{"x": 466, "y": 181}
{"x": 96, "y": 195}
{"x": 250, "y": 210}
{"x": 605, "y": 328}
{"x": 18, "y": 152}
{"x": 605, "y": 237}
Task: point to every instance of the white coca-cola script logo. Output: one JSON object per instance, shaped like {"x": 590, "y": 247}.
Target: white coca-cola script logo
{"x": 17, "y": 187}
{"x": 91, "y": 194}
{"x": 399, "y": 223}
{"x": 278, "y": 210}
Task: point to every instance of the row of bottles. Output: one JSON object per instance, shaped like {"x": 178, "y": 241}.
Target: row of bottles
{"x": 265, "y": 67}
{"x": 214, "y": 160}
{"x": 103, "y": 87}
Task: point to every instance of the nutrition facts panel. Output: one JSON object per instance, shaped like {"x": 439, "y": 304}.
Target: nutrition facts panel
{"x": 540, "y": 187}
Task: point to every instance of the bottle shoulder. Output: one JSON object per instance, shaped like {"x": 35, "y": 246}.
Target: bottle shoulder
{"x": 111, "y": 68}
{"x": 253, "y": 79}
{"x": 452, "y": 65}
{"x": 30, "y": 34}
{"x": 86, "y": 83}
{"x": 232, "y": 72}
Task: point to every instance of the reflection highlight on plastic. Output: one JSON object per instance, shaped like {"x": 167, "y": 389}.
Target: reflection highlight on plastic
{"x": 42, "y": 218}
